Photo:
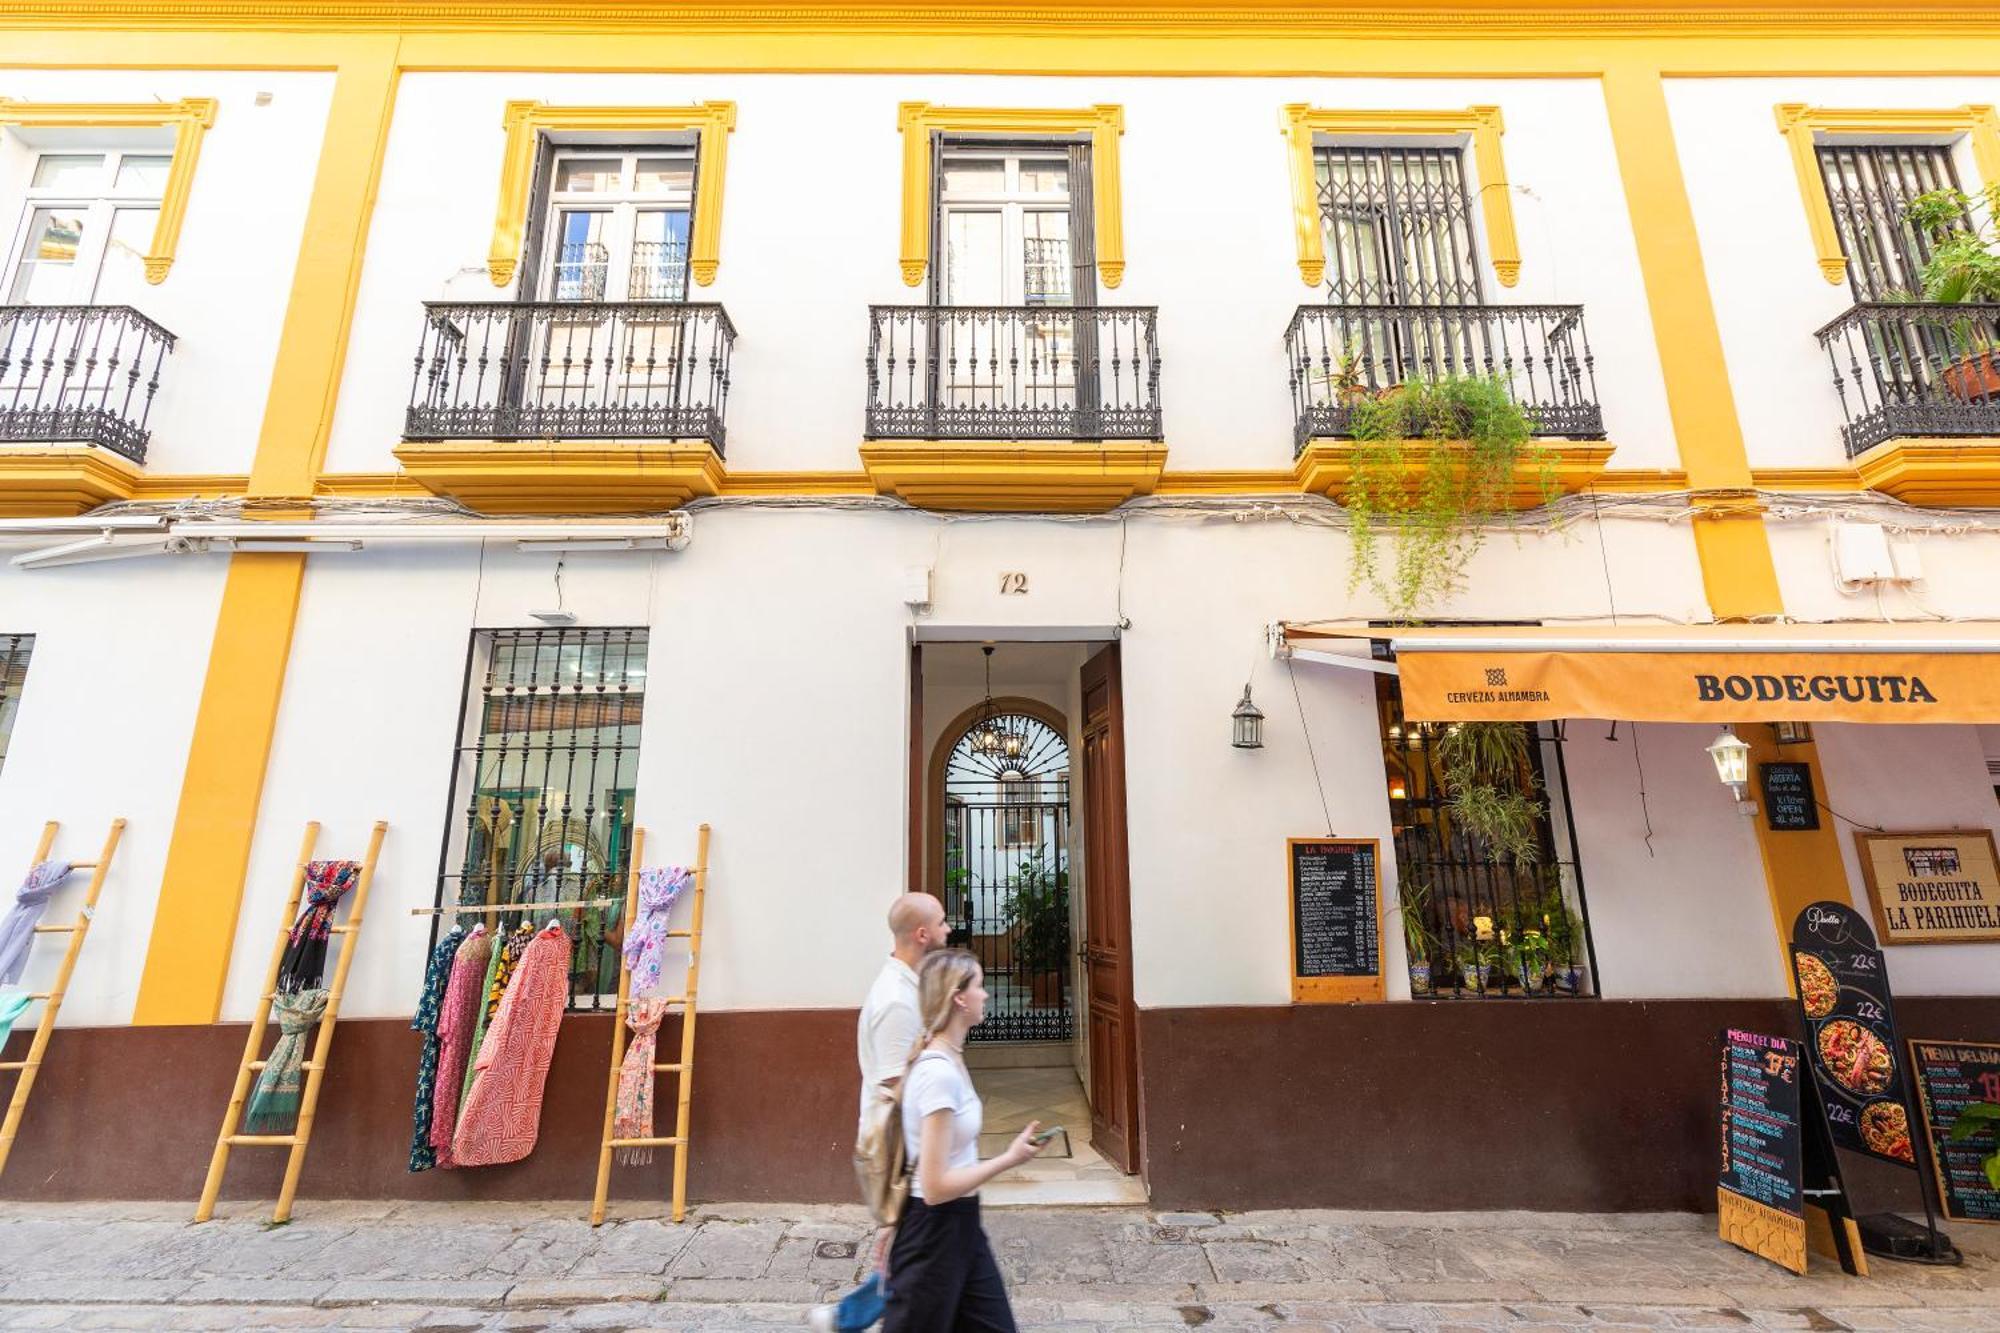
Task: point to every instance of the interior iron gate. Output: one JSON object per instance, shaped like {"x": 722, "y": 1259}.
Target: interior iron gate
{"x": 1006, "y": 873}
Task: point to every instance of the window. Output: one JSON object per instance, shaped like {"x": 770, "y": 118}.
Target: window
{"x": 1008, "y": 235}
{"x": 14, "y": 651}
{"x": 1868, "y": 186}
{"x": 85, "y": 226}
{"x": 617, "y": 224}
{"x": 1397, "y": 224}
{"x": 1021, "y": 820}
{"x": 546, "y": 771}
{"x": 1493, "y": 922}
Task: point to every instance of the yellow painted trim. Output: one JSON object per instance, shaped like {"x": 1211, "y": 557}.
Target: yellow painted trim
{"x": 1805, "y": 127}
{"x": 1238, "y": 481}
{"x": 1304, "y": 125}
{"x": 797, "y": 483}
{"x": 1934, "y": 471}
{"x": 918, "y": 121}
{"x": 58, "y": 480}
{"x": 564, "y": 477}
{"x": 1009, "y": 476}
{"x": 1325, "y": 467}
{"x": 189, "y": 118}
{"x": 527, "y": 122}
{"x": 1738, "y": 574}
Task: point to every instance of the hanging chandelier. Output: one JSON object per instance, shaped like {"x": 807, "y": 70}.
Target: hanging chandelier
{"x": 992, "y": 737}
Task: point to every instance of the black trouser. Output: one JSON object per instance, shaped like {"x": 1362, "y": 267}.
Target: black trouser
{"x": 942, "y": 1276}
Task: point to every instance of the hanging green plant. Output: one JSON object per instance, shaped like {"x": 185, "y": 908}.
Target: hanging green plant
{"x": 1432, "y": 460}
{"x": 1491, "y": 790}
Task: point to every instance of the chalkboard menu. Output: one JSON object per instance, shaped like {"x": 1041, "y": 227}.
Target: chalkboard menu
{"x": 1950, "y": 1075}
{"x": 1760, "y": 1200}
{"x": 1336, "y": 918}
{"x": 1789, "y": 802}
{"x": 1851, "y": 1031}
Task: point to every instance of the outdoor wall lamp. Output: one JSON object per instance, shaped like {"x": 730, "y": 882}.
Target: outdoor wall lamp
{"x": 1247, "y": 724}
{"x": 1732, "y": 767}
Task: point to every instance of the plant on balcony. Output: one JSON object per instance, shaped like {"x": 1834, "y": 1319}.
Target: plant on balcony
{"x": 1433, "y": 458}
{"x": 1413, "y": 901}
{"x": 1491, "y": 790}
{"x": 1963, "y": 269}
{"x": 1036, "y": 912}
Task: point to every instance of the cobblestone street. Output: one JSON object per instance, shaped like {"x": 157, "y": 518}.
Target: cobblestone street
{"x": 527, "y": 1267}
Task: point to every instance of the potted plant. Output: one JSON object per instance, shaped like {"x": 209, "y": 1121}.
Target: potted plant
{"x": 1976, "y": 1119}
{"x": 1412, "y": 909}
{"x": 1963, "y": 269}
{"x": 1036, "y": 911}
{"x": 1531, "y": 954}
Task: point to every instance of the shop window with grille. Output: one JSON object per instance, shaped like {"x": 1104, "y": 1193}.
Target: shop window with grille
{"x": 14, "y": 651}
{"x": 1398, "y": 226}
{"x": 543, "y": 785}
{"x": 1869, "y": 186}
{"x": 1489, "y": 922}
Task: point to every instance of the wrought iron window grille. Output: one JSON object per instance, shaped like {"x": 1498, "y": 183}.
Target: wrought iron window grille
{"x": 80, "y": 373}
{"x": 1868, "y": 186}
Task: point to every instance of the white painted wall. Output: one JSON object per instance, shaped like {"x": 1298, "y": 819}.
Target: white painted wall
{"x": 1762, "y": 271}
{"x": 102, "y": 731}
{"x": 1958, "y": 569}
{"x": 810, "y": 235}
{"x": 225, "y": 297}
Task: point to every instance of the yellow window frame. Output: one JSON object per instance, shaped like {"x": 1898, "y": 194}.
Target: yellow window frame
{"x": 1302, "y": 125}
{"x": 1806, "y": 127}
{"x": 527, "y": 122}
{"x": 1104, "y": 123}
{"x": 188, "y": 118}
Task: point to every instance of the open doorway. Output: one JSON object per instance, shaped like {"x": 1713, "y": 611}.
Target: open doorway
{"x": 1015, "y": 763}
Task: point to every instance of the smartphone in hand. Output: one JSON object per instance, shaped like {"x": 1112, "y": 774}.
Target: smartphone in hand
{"x": 1044, "y": 1136}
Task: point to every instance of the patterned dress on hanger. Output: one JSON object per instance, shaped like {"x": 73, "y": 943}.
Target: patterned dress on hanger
{"x": 455, "y": 1023}
{"x": 502, "y": 1114}
{"x": 430, "y": 1005}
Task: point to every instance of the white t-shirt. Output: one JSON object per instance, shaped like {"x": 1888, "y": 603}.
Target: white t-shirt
{"x": 938, "y": 1084}
{"x": 889, "y": 1027}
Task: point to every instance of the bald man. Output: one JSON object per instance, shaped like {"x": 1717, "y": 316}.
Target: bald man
{"x": 890, "y": 1024}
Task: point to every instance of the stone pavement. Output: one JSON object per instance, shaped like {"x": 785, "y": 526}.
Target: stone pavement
{"x": 527, "y": 1267}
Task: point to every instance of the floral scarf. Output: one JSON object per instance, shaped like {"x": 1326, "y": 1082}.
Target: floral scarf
{"x": 635, "y": 1079}
{"x": 17, "y": 928}
{"x": 327, "y": 882}
{"x": 646, "y": 941}
{"x": 274, "y": 1105}
{"x": 429, "y": 1005}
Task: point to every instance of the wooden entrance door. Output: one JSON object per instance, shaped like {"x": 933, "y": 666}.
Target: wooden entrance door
{"x": 1107, "y": 951}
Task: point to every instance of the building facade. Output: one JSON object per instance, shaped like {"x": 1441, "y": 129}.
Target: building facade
{"x": 529, "y": 427}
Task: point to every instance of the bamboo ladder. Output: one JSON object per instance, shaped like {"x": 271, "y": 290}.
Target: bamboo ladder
{"x": 684, "y": 1067}
{"x": 52, "y": 998}
{"x": 315, "y": 1066}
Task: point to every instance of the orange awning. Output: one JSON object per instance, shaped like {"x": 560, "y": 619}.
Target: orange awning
{"x": 1931, "y": 672}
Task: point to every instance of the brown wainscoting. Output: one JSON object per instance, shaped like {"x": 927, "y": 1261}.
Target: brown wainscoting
{"x": 1589, "y": 1105}
{"x": 132, "y": 1113}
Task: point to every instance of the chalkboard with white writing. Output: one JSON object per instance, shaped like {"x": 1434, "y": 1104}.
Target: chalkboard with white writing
{"x": 1336, "y": 909}
{"x": 1789, "y": 800}
{"x": 1761, "y": 1194}
{"x": 1950, "y": 1076}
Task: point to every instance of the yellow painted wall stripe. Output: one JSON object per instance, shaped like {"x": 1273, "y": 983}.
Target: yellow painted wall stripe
{"x": 1730, "y": 540}
{"x": 201, "y": 892}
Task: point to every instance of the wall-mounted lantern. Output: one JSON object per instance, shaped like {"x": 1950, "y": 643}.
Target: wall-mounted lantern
{"x": 1247, "y": 724}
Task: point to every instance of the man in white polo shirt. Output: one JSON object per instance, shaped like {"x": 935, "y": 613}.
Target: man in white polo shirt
{"x": 884, "y": 1037}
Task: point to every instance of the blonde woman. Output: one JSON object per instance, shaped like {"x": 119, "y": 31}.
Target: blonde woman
{"x": 941, "y": 1269}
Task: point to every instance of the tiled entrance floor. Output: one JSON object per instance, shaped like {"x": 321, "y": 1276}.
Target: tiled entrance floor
{"x": 1013, "y": 1097}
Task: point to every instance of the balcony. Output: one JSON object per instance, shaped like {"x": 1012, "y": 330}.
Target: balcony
{"x": 1910, "y": 375}
{"x": 1342, "y": 355}
{"x": 1013, "y": 407}
{"x": 74, "y": 381}
{"x": 560, "y": 406}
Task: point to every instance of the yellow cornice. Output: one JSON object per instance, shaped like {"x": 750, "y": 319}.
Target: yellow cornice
{"x": 1302, "y": 124}
{"x": 1012, "y": 477}
{"x": 918, "y": 121}
{"x": 188, "y": 118}
{"x": 1946, "y": 472}
{"x": 1326, "y": 467}
{"x": 56, "y": 480}
{"x": 526, "y": 122}
{"x": 565, "y": 477}
{"x": 1229, "y": 481}
{"x": 1805, "y": 126}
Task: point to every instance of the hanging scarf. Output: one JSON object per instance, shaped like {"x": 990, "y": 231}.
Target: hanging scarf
{"x": 500, "y": 970}
{"x": 17, "y": 928}
{"x": 422, "y": 1156}
{"x": 635, "y": 1079}
{"x": 13, "y": 1004}
{"x": 503, "y": 1112}
{"x": 327, "y": 882}
{"x": 274, "y": 1105}
{"x": 646, "y": 941}
{"x": 456, "y": 1017}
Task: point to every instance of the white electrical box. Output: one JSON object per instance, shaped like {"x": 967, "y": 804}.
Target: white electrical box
{"x": 1908, "y": 559}
{"x": 1861, "y": 553}
{"x": 917, "y": 585}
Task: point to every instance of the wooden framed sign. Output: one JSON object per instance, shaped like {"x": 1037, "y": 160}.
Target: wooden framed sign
{"x": 1336, "y": 910}
{"x": 1932, "y": 888}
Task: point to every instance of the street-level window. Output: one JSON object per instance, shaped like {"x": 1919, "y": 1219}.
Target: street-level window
{"x": 547, "y": 767}
{"x": 1489, "y": 894}
{"x": 617, "y": 224}
{"x": 85, "y": 224}
{"x": 1868, "y": 187}
{"x": 14, "y": 651}
{"x": 1397, "y": 222}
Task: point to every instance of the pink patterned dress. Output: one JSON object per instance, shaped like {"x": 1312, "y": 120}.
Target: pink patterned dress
{"x": 503, "y": 1111}
{"x": 457, "y": 1018}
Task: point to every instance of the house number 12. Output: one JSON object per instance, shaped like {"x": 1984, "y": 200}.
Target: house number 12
{"x": 1013, "y": 585}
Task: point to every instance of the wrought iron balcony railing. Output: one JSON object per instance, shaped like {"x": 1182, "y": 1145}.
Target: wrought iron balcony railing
{"x": 1342, "y": 354}
{"x": 571, "y": 370}
{"x": 1905, "y": 368}
{"x": 84, "y": 373}
{"x": 1013, "y": 373}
